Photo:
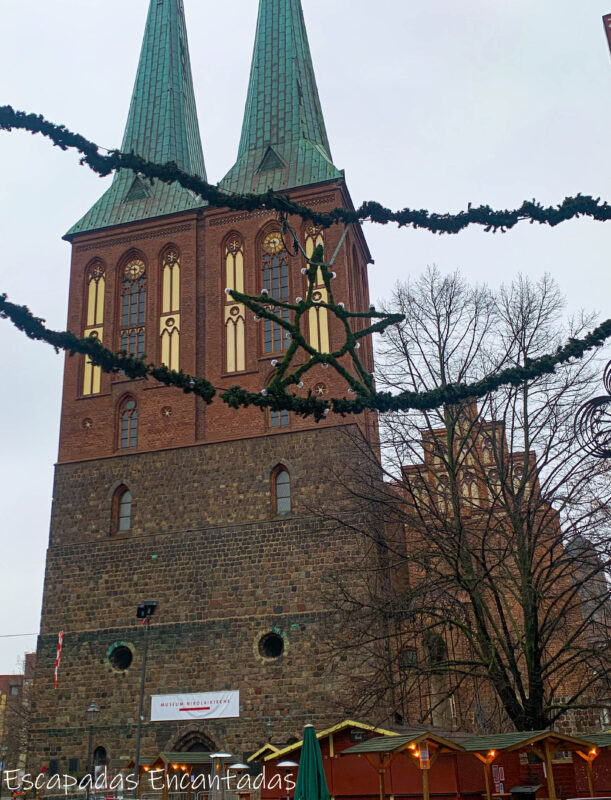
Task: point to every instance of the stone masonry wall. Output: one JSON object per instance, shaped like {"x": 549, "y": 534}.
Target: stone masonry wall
{"x": 224, "y": 571}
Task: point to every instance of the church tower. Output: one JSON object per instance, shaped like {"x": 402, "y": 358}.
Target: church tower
{"x": 223, "y": 517}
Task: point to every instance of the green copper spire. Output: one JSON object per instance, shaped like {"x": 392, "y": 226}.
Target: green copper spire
{"x": 162, "y": 126}
{"x": 284, "y": 142}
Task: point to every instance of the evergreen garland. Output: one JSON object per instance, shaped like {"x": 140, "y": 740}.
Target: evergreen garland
{"x": 276, "y": 398}
{"x": 34, "y": 328}
{"x": 491, "y": 220}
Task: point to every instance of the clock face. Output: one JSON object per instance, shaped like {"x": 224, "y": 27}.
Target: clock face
{"x": 134, "y": 270}
{"x": 273, "y": 243}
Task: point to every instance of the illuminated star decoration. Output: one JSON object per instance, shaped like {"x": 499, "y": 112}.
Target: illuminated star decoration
{"x": 275, "y": 394}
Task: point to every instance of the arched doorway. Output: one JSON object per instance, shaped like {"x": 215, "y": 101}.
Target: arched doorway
{"x": 197, "y": 742}
{"x": 100, "y": 761}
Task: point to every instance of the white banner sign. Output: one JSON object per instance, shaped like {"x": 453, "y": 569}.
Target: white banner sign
{"x": 207, "y": 705}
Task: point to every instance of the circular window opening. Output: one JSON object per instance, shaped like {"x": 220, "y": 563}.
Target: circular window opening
{"x": 121, "y": 658}
{"x": 271, "y": 645}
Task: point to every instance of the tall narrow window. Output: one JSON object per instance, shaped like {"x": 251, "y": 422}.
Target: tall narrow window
{"x": 318, "y": 317}
{"x": 133, "y": 308}
{"x": 128, "y": 424}
{"x": 281, "y": 490}
{"x": 234, "y": 315}
{"x": 122, "y": 510}
{"x": 94, "y": 323}
{"x": 276, "y": 282}
{"x": 169, "y": 323}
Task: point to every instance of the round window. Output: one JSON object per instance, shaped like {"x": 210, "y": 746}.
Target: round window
{"x": 271, "y": 645}
{"x": 120, "y": 657}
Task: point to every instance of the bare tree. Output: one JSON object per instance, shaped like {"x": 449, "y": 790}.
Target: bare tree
{"x": 494, "y": 523}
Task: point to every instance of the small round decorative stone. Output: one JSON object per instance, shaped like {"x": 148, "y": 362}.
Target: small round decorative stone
{"x": 166, "y": 412}
{"x": 87, "y": 424}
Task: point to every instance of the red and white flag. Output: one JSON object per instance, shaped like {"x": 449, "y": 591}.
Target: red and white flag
{"x": 58, "y": 657}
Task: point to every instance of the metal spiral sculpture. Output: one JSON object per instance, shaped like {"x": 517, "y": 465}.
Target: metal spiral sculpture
{"x": 593, "y": 422}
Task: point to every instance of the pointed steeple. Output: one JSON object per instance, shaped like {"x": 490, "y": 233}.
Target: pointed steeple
{"x": 162, "y": 126}
{"x": 284, "y": 142}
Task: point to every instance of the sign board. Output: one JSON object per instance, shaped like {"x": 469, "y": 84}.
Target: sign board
{"x": 203, "y": 705}
{"x": 425, "y": 759}
{"x": 607, "y": 24}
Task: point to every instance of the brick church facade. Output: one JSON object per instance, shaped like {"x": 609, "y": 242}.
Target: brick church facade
{"x": 211, "y": 512}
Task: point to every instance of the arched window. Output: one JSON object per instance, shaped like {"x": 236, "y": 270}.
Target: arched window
{"x": 276, "y": 282}
{"x": 128, "y": 424}
{"x": 234, "y": 315}
{"x": 436, "y": 652}
{"x": 281, "y": 490}
{"x": 318, "y": 317}
{"x": 122, "y": 510}
{"x": 133, "y": 307}
{"x": 169, "y": 325}
{"x": 94, "y": 323}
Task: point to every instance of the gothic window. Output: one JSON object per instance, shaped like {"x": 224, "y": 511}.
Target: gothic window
{"x": 281, "y": 490}
{"x": 133, "y": 308}
{"x": 318, "y": 317}
{"x": 94, "y": 323}
{"x": 276, "y": 282}
{"x": 443, "y": 494}
{"x": 122, "y": 510}
{"x": 436, "y": 653}
{"x": 128, "y": 424}
{"x": 169, "y": 327}
{"x": 280, "y": 419}
{"x": 235, "y": 314}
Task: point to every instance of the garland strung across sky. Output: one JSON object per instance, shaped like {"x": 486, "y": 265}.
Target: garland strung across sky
{"x": 288, "y": 374}
{"x": 277, "y": 399}
{"x": 571, "y": 207}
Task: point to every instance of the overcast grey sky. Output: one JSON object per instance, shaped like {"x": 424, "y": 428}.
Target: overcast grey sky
{"x": 429, "y": 103}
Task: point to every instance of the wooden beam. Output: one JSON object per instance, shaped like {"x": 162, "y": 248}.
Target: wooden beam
{"x": 589, "y": 759}
{"x": 426, "y": 795}
{"x": 551, "y": 786}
